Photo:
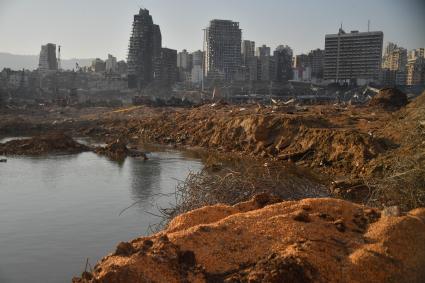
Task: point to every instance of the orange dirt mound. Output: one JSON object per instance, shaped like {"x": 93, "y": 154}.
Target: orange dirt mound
{"x": 313, "y": 240}
{"x": 310, "y": 140}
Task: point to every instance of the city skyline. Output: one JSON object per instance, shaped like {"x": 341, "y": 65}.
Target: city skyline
{"x": 302, "y": 25}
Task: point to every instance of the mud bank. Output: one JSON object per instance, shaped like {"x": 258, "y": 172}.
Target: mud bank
{"x": 305, "y": 138}
{"x": 43, "y": 144}
{"x": 264, "y": 240}
{"x": 370, "y": 154}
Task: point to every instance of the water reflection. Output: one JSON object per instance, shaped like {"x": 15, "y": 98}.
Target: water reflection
{"x": 144, "y": 179}
{"x": 56, "y": 211}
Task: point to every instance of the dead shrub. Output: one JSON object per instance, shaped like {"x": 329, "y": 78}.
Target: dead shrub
{"x": 218, "y": 183}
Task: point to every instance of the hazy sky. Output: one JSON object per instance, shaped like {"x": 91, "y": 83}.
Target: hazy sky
{"x": 94, "y": 28}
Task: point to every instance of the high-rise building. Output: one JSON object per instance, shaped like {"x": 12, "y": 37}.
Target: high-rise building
{"x": 390, "y": 47}
{"x": 184, "y": 66}
{"x": 309, "y": 66}
{"x": 223, "y": 49}
{"x": 283, "y": 56}
{"x": 144, "y": 50}
{"x": 354, "y": 56}
{"x": 197, "y": 59}
{"x": 184, "y": 60}
{"x": 395, "y": 58}
{"x": 122, "y": 67}
{"x": 98, "y": 65}
{"x": 301, "y": 61}
{"x": 166, "y": 67}
{"x": 267, "y": 68}
{"x": 266, "y": 64}
{"x": 111, "y": 64}
{"x": 262, "y": 51}
{"x": 416, "y": 53}
{"x": 317, "y": 58}
{"x": 249, "y": 61}
{"x": 47, "y": 60}
{"x": 394, "y": 64}
{"x": 248, "y": 51}
{"x": 416, "y": 71}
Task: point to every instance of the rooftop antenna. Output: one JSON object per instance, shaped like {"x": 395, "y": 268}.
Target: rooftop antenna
{"x": 368, "y": 25}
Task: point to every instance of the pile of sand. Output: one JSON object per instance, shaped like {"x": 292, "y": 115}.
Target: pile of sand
{"x": 263, "y": 240}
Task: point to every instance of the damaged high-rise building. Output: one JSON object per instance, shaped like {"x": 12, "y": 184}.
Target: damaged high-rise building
{"x": 47, "y": 60}
{"x": 166, "y": 67}
{"x": 353, "y": 57}
{"x": 222, "y": 49}
{"x": 283, "y": 60}
{"x": 144, "y": 50}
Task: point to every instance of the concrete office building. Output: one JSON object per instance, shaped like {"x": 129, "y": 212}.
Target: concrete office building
{"x": 265, "y": 64}
{"x": 301, "y": 61}
{"x": 267, "y": 68}
{"x": 416, "y": 71}
{"x": 301, "y": 68}
{"x": 394, "y": 64}
{"x": 353, "y": 57}
{"x": 184, "y": 60}
{"x": 184, "y": 66}
{"x": 98, "y": 65}
{"x": 395, "y": 58}
{"x": 122, "y": 67}
{"x": 197, "y": 58}
{"x": 144, "y": 50}
{"x": 111, "y": 64}
{"x": 283, "y": 58}
{"x": 316, "y": 59}
{"x": 262, "y": 51}
{"x": 249, "y": 61}
{"x": 47, "y": 60}
{"x": 248, "y": 51}
{"x": 222, "y": 49}
{"x": 166, "y": 67}
{"x": 309, "y": 66}
{"x": 416, "y": 53}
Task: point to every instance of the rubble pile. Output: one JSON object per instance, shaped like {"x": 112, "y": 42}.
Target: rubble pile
{"x": 43, "y": 144}
{"x": 265, "y": 240}
{"x": 118, "y": 151}
{"x": 399, "y": 174}
{"x": 389, "y": 98}
{"x": 307, "y": 139}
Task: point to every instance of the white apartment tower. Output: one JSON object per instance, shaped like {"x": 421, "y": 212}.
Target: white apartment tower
{"x": 354, "y": 56}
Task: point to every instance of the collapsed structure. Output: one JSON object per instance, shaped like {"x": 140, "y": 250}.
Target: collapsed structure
{"x": 47, "y": 60}
{"x": 144, "y": 50}
{"x": 223, "y": 49}
{"x": 147, "y": 61}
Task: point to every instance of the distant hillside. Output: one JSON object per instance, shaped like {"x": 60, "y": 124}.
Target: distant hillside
{"x": 30, "y": 62}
